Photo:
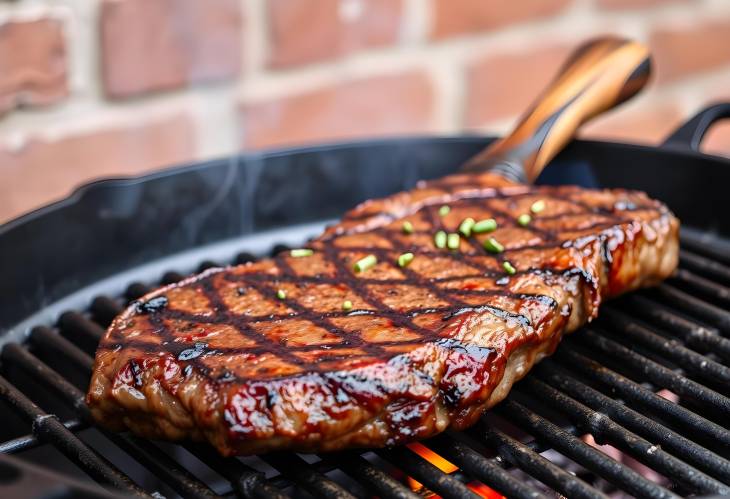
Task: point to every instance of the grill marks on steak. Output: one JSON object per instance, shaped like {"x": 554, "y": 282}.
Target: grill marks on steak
{"x": 219, "y": 356}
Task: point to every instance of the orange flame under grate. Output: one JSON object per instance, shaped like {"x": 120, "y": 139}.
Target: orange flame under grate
{"x": 447, "y": 467}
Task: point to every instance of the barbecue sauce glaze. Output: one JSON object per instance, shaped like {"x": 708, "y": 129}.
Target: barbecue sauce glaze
{"x": 220, "y": 357}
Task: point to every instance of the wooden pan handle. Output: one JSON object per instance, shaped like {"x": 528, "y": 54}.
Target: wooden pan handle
{"x": 601, "y": 74}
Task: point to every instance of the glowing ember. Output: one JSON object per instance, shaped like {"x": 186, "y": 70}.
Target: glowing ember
{"x": 483, "y": 491}
{"x": 447, "y": 467}
{"x": 433, "y": 458}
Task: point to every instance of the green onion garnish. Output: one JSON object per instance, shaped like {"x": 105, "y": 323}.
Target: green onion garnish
{"x": 508, "y": 268}
{"x": 444, "y": 210}
{"x": 407, "y": 227}
{"x": 347, "y": 305}
{"x": 405, "y": 259}
{"x": 281, "y": 294}
{"x": 298, "y": 253}
{"x": 466, "y": 226}
{"x": 524, "y": 220}
{"x": 365, "y": 263}
{"x": 452, "y": 241}
{"x": 439, "y": 239}
{"x": 493, "y": 246}
{"x": 537, "y": 206}
{"x": 488, "y": 225}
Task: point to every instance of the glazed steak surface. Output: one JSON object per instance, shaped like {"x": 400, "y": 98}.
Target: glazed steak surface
{"x": 266, "y": 355}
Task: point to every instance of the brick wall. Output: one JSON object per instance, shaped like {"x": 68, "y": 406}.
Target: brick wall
{"x": 92, "y": 88}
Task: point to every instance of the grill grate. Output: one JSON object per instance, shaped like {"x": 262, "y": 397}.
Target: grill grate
{"x": 650, "y": 377}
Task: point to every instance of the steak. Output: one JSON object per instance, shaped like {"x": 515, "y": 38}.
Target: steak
{"x": 357, "y": 344}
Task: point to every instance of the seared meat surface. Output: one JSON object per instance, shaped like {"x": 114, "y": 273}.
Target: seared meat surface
{"x": 306, "y": 353}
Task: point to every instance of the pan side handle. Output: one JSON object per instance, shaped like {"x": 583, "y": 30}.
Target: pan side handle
{"x": 599, "y": 75}
{"x": 689, "y": 135}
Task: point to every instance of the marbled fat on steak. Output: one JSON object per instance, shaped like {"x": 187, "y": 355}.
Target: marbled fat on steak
{"x": 269, "y": 355}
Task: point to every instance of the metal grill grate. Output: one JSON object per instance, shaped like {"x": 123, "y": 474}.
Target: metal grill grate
{"x": 650, "y": 378}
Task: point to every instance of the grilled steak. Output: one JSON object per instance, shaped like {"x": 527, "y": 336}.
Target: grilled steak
{"x": 306, "y": 353}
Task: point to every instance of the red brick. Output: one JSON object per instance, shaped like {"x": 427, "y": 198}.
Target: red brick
{"x": 303, "y": 31}
{"x": 152, "y": 45}
{"x": 459, "y": 17}
{"x": 682, "y": 51}
{"x": 46, "y": 170}
{"x": 639, "y": 122}
{"x": 503, "y": 85}
{"x": 393, "y": 104}
{"x": 32, "y": 64}
{"x": 635, "y": 4}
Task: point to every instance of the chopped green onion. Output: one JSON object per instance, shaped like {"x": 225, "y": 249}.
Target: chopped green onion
{"x": 508, "y": 268}
{"x": 347, "y": 305}
{"x": 524, "y": 220}
{"x": 453, "y": 241}
{"x": 298, "y": 253}
{"x": 537, "y": 206}
{"x": 407, "y": 227}
{"x": 466, "y": 226}
{"x": 281, "y": 294}
{"x": 493, "y": 246}
{"x": 365, "y": 263}
{"x": 488, "y": 225}
{"x": 439, "y": 239}
{"x": 405, "y": 259}
{"x": 444, "y": 210}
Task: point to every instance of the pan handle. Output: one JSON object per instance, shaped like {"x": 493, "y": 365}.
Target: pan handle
{"x": 690, "y": 134}
{"x": 599, "y": 75}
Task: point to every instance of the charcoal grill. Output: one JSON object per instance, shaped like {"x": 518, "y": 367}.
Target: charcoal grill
{"x": 651, "y": 377}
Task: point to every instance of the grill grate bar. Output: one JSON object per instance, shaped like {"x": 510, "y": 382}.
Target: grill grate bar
{"x": 705, "y": 266}
{"x": 208, "y": 264}
{"x": 376, "y": 479}
{"x": 162, "y": 465}
{"x": 580, "y": 452}
{"x": 482, "y": 468}
{"x": 30, "y": 441}
{"x": 655, "y": 372}
{"x": 702, "y": 285}
{"x": 637, "y": 394}
{"x": 48, "y": 428}
{"x": 696, "y": 307}
{"x": 144, "y": 452}
{"x": 46, "y": 339}
{"x": 135, "y": 290}
{"x": 534, "y": 464}
{"x": 81, "y": 330}
{"x": 694, "y": 335}
{"x": 704, "y": 244}
{"x": 624, "y": 329}
{"x": 602, "y": 417}
{"x": 172, "y": 277}
{"x": 244, "y": 257}
{"x": 104, "y": 309}
{"x": 295, "y": 468}
{"x": 18, "y": 356}
{"x": 246, "y": 481}
{"x": 443, "y": 484}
